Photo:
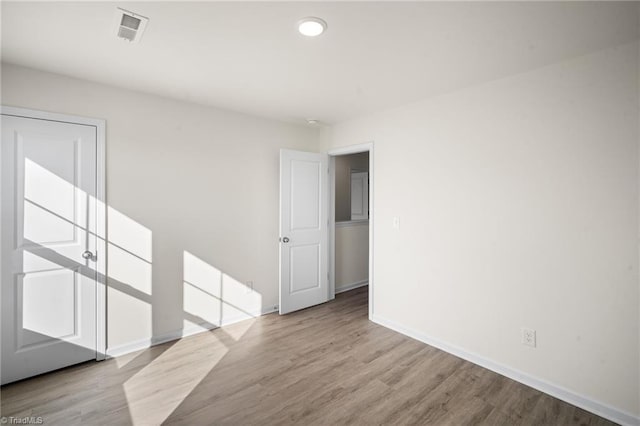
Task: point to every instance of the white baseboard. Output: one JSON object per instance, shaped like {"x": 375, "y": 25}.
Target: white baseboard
{"x": 179, "y": 334}
{"x": 351, "y": 286}
{"x": 601, "y": 409}
{"x": 126, "y": 348}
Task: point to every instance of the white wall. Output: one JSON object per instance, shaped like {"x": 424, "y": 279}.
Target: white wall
{"x": 193, "y": 203}
{"x": 518, "y": 205}
{"x": 352, "y": 254}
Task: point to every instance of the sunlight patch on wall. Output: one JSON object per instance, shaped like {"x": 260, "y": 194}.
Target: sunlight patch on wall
{"x": 201, "y": 293}
{"x": 129, "y": 269}
{"x": 203, "y": 311}
{"x": 129, "y": 235}
{"x": 240, "y": 302}
{"x": 130, "y": 274}
{"x": 213, "y": 298}
{"x": 201, "y": 275}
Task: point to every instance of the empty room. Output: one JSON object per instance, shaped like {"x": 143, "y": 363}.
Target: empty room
{"x": 320, "y": 213}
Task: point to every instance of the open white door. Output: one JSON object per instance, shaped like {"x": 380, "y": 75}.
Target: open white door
{"x": 304, "y": 281}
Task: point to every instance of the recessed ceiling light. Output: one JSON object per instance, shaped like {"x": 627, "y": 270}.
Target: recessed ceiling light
{"x": 311, "y": 27}
{"x": 312, "y": 121}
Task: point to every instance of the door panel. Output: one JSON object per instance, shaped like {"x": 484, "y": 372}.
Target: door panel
{"x": 52, "y": 292}
{"x": 306, "y": 185}
{"x": 48, "y": 289}
{"x": 303, "y": 230}
{"x": 304, "y": 264}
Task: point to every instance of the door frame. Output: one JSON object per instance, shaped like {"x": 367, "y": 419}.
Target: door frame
{"x": 333, "y": 153}
{"x": 101, "y": 210}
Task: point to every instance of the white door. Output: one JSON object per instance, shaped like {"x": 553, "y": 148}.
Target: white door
{"x": 304, "y": 280}
{"x": 359, "y": 195}
{"x": 48, "y": 244}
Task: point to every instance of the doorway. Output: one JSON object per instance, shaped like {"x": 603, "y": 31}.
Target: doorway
{"x": 351, "y": 220}
{"x": 307, "y": 226}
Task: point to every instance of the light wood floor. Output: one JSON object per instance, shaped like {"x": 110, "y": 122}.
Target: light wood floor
{"x": 324, "y": 365}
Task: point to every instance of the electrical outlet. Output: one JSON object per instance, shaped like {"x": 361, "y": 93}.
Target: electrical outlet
{"x": 529, "y": 337}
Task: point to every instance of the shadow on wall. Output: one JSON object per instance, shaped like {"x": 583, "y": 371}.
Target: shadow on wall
{"x": 210, "y": 298}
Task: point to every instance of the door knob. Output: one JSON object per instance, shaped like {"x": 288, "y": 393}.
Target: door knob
{"x": 285, "y": 240}
{"x": 87, "y": 255}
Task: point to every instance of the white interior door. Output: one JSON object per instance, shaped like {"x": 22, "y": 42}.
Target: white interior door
{"x": 304, "y": 280}
{"x": 49, "y": 242}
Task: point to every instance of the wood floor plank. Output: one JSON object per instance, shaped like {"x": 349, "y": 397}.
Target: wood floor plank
{"x": 326, "y": 365}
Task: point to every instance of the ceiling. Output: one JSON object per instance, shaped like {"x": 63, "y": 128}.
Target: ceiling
{"x": 248, "y": 57}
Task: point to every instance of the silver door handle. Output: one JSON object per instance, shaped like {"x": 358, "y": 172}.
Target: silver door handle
{"x": 87, "y": 255}
{"x": 285, "y": 240}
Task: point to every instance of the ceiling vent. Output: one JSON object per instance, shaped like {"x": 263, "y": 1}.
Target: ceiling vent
{"x": 129, "y": 25}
